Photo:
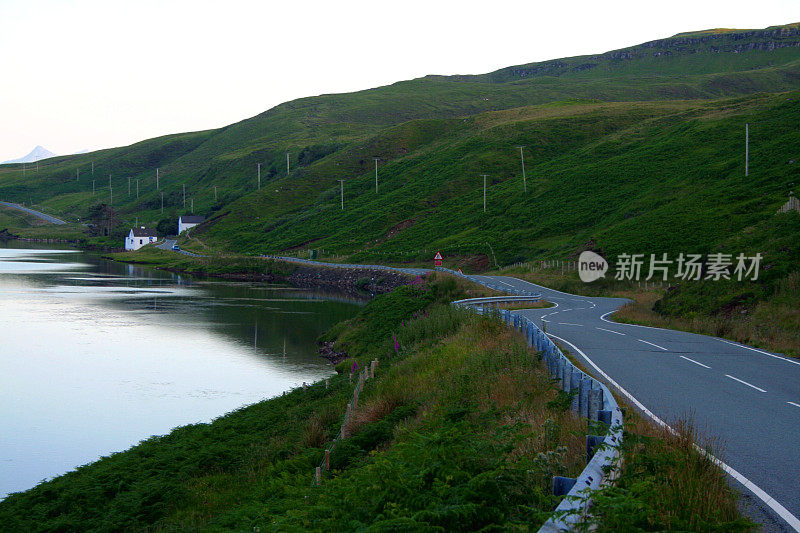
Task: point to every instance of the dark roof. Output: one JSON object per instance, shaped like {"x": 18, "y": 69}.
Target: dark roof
{"x": 191, "y": 219}
{"x": 144, "y": 232}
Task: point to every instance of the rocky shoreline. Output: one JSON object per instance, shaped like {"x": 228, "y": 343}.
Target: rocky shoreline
{"x": 326, "y": 350}
{"x": 355, "y": 281}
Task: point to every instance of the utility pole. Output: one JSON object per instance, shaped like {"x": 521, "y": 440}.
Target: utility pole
{"x": 524, "y": 180}
{"x": 109, "y": 180}
{"x": 259, "y": 176}
{"x": 77, "y": 174}
{"x": 215, "y": 193}
{"x": 156, "y": 178}
{"x": 746, "y": 150}
{"x": 287, "y": 163}
{"x": 92, "y": 187}
{"x": 341, "y": 183}
{"x": 111, "y": 192}
{"x": 37, "y": 167}
{"x": 192, "y": 205}
{"x": 484, "y": 191}
{"x": 376, "y": 174}
{"x": 162, "y": 203}
{"x": 184, "y": 196}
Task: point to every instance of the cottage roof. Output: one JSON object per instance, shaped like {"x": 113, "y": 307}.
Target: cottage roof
{"x": 144, "y": 232}
{"x": 192, "y": 219}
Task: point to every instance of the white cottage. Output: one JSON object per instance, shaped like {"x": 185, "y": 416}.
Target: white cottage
{"x": 188, "y": 221}
{"x": 138, "y": 237}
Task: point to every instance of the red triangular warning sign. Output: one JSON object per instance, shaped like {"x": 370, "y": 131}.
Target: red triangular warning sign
{"x": 438, "y": 256}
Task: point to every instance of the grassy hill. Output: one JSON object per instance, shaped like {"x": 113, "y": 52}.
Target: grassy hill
{"x": 342, "y": 133}
{"x": 623, "y": 149}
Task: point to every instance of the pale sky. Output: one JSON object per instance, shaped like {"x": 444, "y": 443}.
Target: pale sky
{"x": 94, "y": 74}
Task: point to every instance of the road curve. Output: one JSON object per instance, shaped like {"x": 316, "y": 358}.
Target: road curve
{"x": 746, "y": 398}
{"x": 39, "y": 214}
{"x": 169, "y": 243}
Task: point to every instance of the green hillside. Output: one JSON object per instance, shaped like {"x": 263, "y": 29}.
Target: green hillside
{"x": 622, "y": 149}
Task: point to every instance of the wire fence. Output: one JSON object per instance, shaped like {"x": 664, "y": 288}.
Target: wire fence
{"x": 365, "y": 374}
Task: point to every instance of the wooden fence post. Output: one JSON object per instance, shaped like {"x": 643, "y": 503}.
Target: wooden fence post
{"x": 327, "y": 459}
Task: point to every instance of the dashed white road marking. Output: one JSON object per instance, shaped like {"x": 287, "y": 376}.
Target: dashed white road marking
{"x": 745, "y": 383}
{"x": 695, "y": 362}
{"x": 568, "y": 324}
{"x": 609, "y": 330}
{"x": 760, "y": 493}
{"x": 651, "y": 344}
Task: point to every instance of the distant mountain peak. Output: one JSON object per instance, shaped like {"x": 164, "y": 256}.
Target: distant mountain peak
{"x": 37, "y": 154}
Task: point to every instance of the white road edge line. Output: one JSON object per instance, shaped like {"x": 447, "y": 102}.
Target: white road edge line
{"x": 651, "y": 344}
{"x": 695, "y": 362}
{"x": 795, "y": 404}
{"x": 759, "y": 351}
{"x": 773, "y": 504}
{"x": 568, "y": 324}
{"x": 745, "y": 383}
{"x": 604, "y": 319}
{"x": 609, "y": 330}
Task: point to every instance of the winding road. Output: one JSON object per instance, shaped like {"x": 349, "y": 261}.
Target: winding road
{"x": 39, "y": 214}
{"x": 169, "y": 243}
{"x": 746, "y": 398}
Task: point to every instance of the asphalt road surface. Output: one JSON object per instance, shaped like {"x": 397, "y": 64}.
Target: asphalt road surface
{"x": 169, "y": 243}
{"x": 746, "y": 398}
{"x": 412, "y": 271}
{"x": 48, "y": 218}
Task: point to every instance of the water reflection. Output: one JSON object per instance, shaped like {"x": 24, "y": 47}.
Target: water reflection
{"x": 95, "y": 355}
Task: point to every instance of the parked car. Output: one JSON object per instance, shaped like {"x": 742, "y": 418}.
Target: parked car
{"x": 176, "y": 247}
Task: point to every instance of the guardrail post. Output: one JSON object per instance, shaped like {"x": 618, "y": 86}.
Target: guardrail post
{"x": 595, "y": 403}
{"x": 575, "y": 384}
{"x": 559, "y": 368}
{"x": 592, "y": 442}
{"x": 604, "y": 417}
{"x": 562, "y": 485}
{"x": 566, "y": 376}
{"x": 583, "y": 394}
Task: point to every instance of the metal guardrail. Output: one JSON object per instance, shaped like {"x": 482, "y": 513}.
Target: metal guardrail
{"x": 347, "y": 265}
{"x": 591, "y": 399}
{"x": 489, "y": 300}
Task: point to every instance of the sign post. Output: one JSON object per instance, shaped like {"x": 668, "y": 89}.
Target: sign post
{"x": 437, "y": 259}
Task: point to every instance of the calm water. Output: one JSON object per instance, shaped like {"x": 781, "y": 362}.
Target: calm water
{"x": 96, "y": 356}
